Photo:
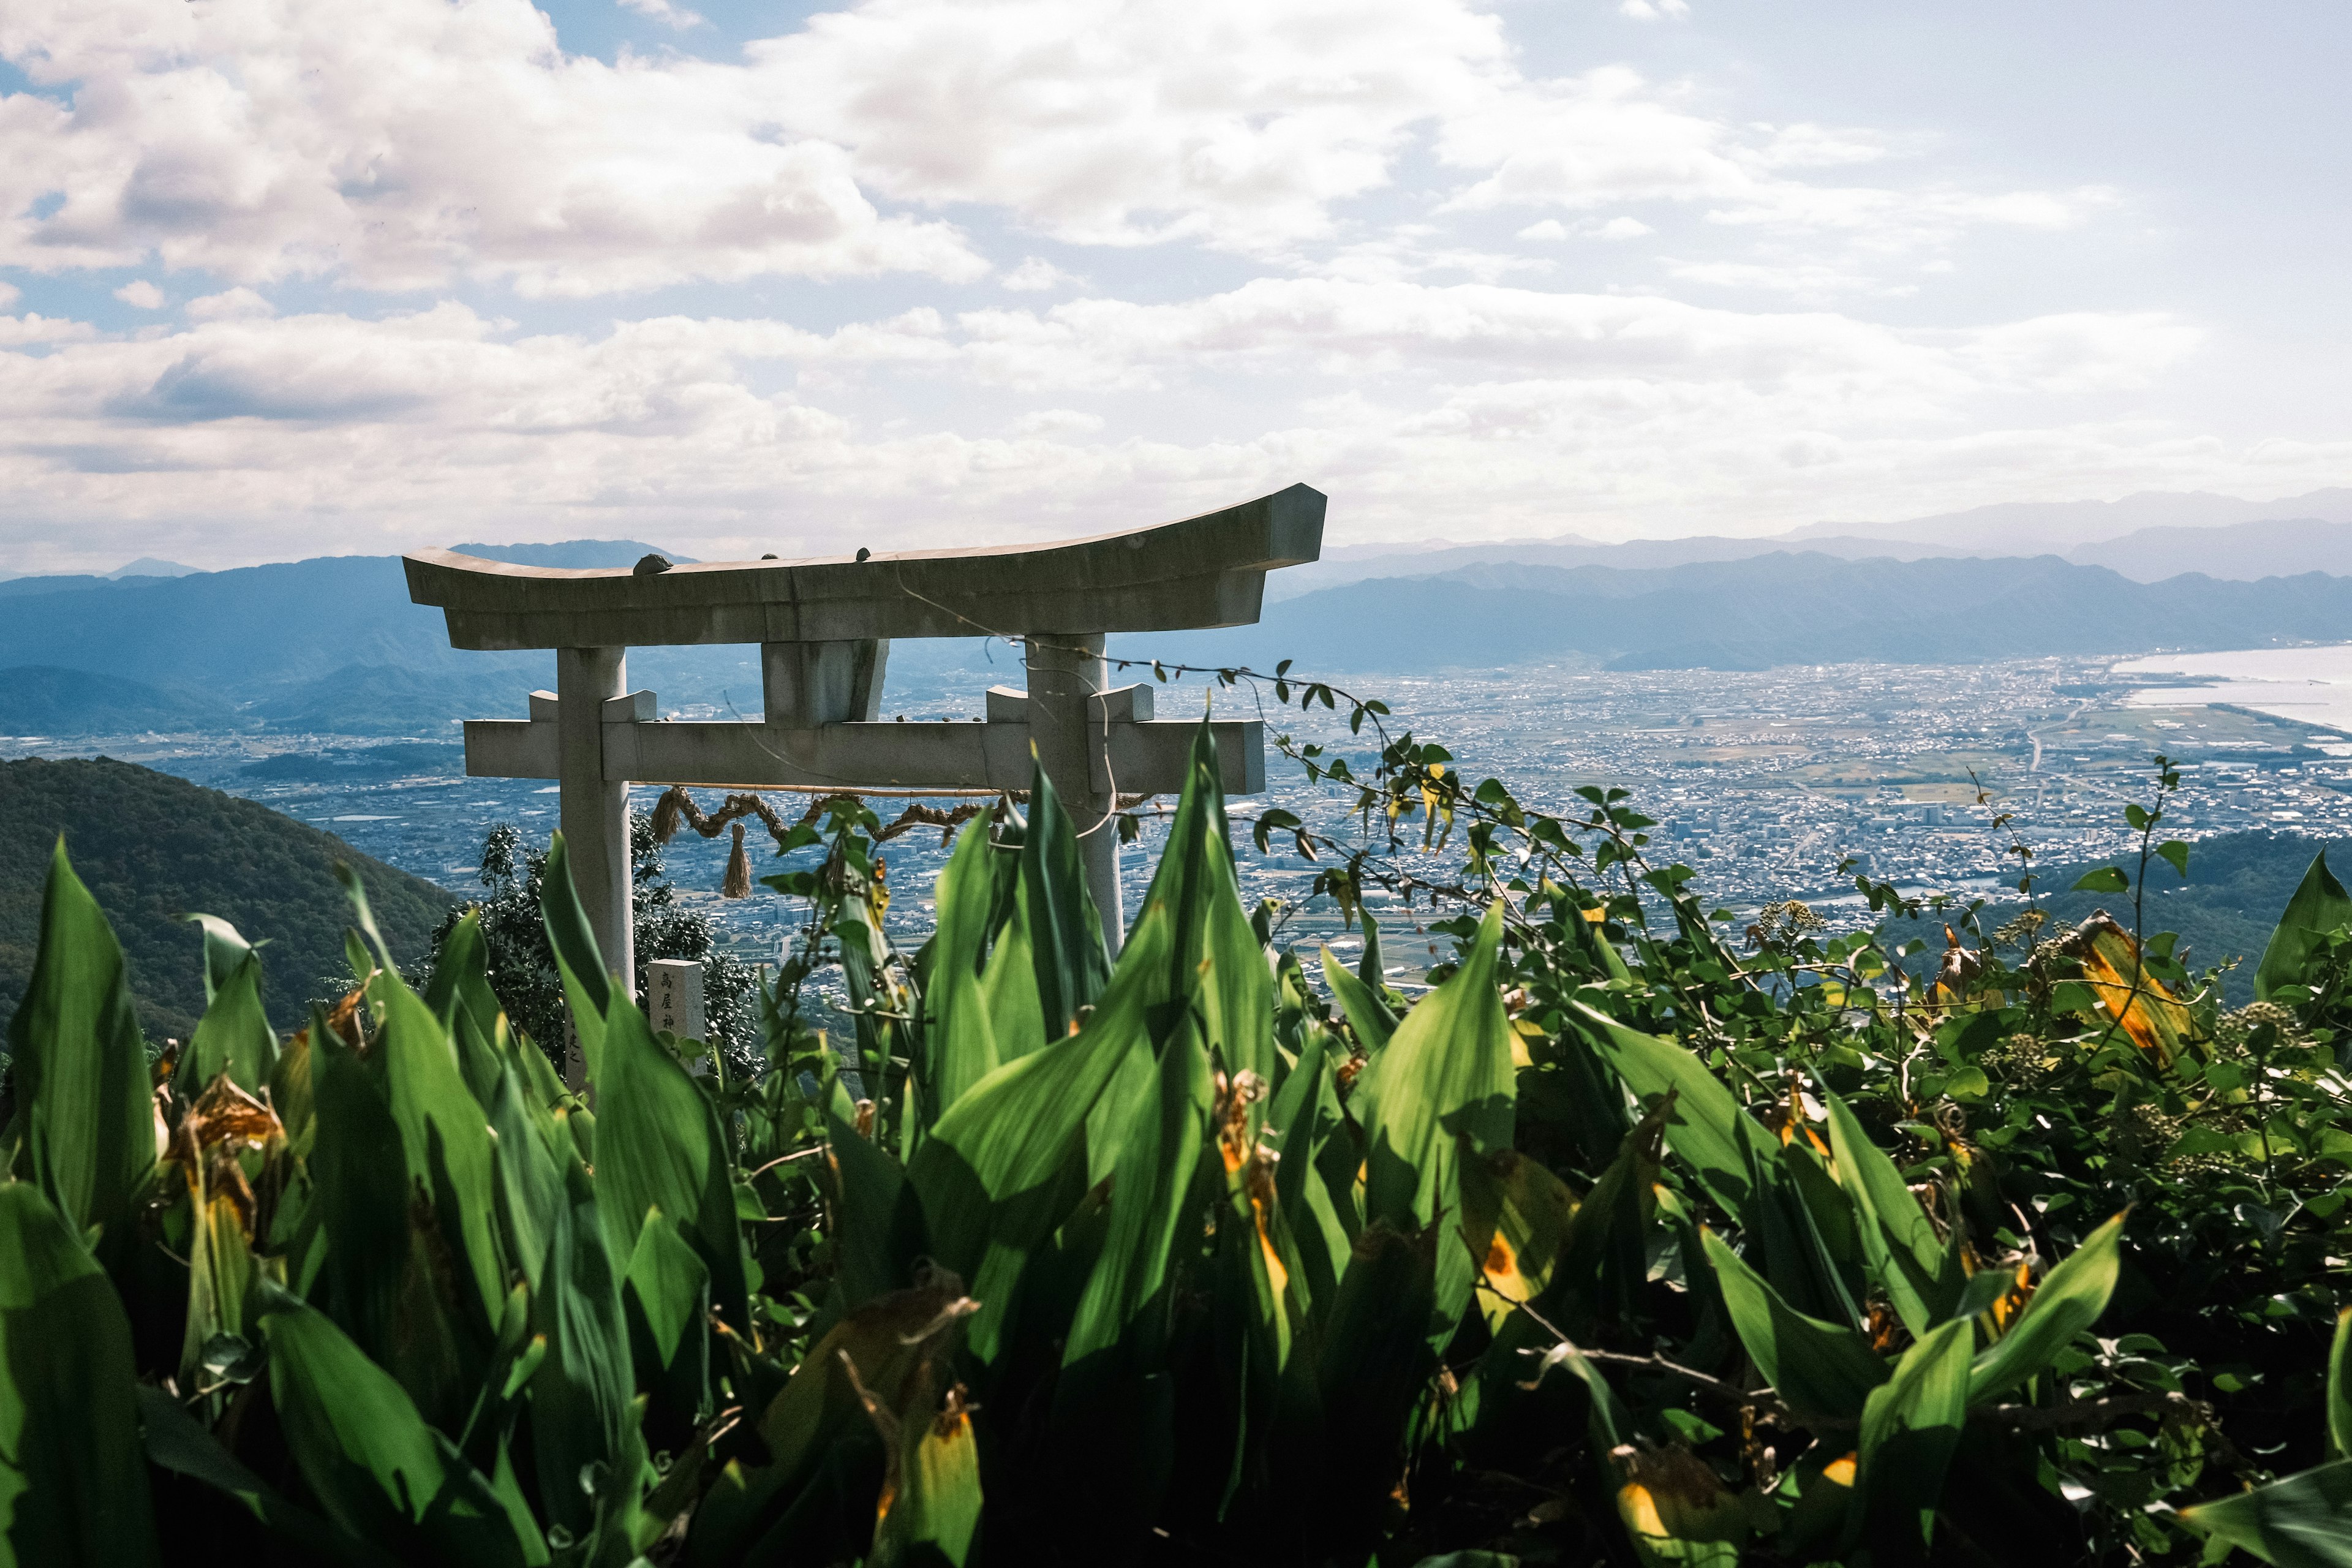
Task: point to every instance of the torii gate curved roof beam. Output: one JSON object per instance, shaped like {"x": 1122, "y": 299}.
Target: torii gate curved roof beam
{"x": 1205, "y": 571}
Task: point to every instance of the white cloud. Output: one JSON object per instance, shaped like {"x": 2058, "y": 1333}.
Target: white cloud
{"x": 141, "y": 293}
{"x": 1231, "y": 121}
{"x": 1058, "y": 422}
{"x": 1654, "y": 10}
{"x": 1622, "y": 228}
{"x": 1035, "y": 275}
{"x": 668, "y": 15}
{"x": 1549, "y": 228}
{"x": 407, "y": 143}
{"x": 229, "y": 305}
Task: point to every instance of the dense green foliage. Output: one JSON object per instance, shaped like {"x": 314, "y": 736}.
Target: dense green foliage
{"x": 152, "y": 849}
{"x": 2221, "y": 908}
{"x": 520, "y": 963}
{"x": 1627, "y": 1242}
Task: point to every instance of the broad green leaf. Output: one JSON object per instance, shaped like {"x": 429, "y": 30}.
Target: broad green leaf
{"x": 1065, "y": 933}
{"x": 176, "y": 1442}
{"x": 890, "y": 1343}
{"x": 1016, "y": 1020}
{"x": 396, "y": 1295}
{"x": 73, "y": 1486}
{"x": 2069, "y": 1300}
{"x": 874, "y": 1239}
{"x": 1124, "y": 1304}
{"x": 958, "y": 1043}
{"x": 1729, "y": 1152}
{"x": 1443, "y": 1092}
{"x": 587, "y": 985}
{"x": 1515, "y": 1216}
{"x": 2303, "y": 1522}
{"x": 234, "y": 1034}
{"x": 377, "y": 1468}
{"x": 2339, "y": 1386}
{"x": 445, "y": 1138}
{"x": 87, "y": 1128}
{"x": 2320, "y": 905}
{"x": 581, "y": 1395}
{"x": 1820, "y": 1370}
{"x": 990, "y": 1174}
{"x": 2106, "y": 879}
{"x": 1736, "y": 1159}
{"x": 1377, "y": 1358}
{"x": 1195, "y": 882}
{"x": 1921, "y": 1275}
{"x": 933, "y": 1517}
{"x": 1314, "y": 1142}
{"x": 658, "y": 1145}
{"x": 1367, "y": 1015}
{"x": 459, "y": 993}
{"x": 667, "y": 1302}
{"x": 1910, "y": 1426}
{"x": 530, "y": 1180}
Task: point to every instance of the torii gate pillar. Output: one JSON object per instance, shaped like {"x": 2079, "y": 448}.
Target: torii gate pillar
{"x": 594, "y": 806}
{"x": 1067, "y": 680}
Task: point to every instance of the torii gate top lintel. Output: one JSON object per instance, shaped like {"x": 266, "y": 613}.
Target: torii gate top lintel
{"x": 824, "y": 628}
{"x": 1205, "y": 571}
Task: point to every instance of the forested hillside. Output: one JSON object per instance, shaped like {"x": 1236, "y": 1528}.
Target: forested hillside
{"x": 154, "y": 848}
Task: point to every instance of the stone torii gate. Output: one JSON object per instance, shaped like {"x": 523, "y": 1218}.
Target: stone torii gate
{"x": 824, "y": 628}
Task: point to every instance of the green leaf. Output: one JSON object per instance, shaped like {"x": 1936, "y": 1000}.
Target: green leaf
{"x": 234, "y": 1034}
{"x": 176, "y": 1442}
{"x": 1922, "y": 1277}
{"x": 668, "y": 1299}
{"x": 2339, "y": 1386}
{"x": 377, "y": 1468}
{"x": 87, "y": 1128}
{"x": 993, "y": 1177}
{"x": 1443, "y": 1092}
{"x": 1367, "y": 1013}
{"x": 1910, "y": 1424}
{"x": 2303, "y": 1522}
{"x": 2175, "y": 854}
{"x": 73, "y": 1486}
{"x": 2320, "y": 905}
{"x": 459, "y": 993}
{"x": 445, "y": 1138}
{"x": 958, "y": 1043}
{"x": 1065, "y": 936}
{"x": 587, "y": 984}
{"x": 393, "y": 1295}
{"x": 934, "y": 1519}
{"x": 1195, "y": 882}
{"x": 2106, "y": 879}
{"x": 1821, "y": 1371}
{"x": 581, "y": 1394}
{"x": 1123, "y": 1305}
{"x": 2069, "y": 1301}
{"x": 658, "y": 1145}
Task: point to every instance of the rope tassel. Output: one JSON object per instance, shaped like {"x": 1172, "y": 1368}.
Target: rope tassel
{"x": 738, "y": 884}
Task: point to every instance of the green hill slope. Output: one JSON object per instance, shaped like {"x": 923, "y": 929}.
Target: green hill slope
{"x": 153, "y": 848}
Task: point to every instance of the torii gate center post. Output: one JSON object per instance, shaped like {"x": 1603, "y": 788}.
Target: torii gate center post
{"x": 825, "y": 628}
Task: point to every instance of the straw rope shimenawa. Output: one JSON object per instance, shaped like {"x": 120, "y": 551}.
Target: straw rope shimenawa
{"x": 677, "y": 809}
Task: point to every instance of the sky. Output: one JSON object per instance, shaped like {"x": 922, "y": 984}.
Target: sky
{"x": 280, "y": 280}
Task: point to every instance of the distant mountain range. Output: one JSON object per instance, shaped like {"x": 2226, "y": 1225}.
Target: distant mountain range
{"x": 333, "y": 646}
{"x": 1764, "y": 611}
{"x": 2279, "y": 539}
